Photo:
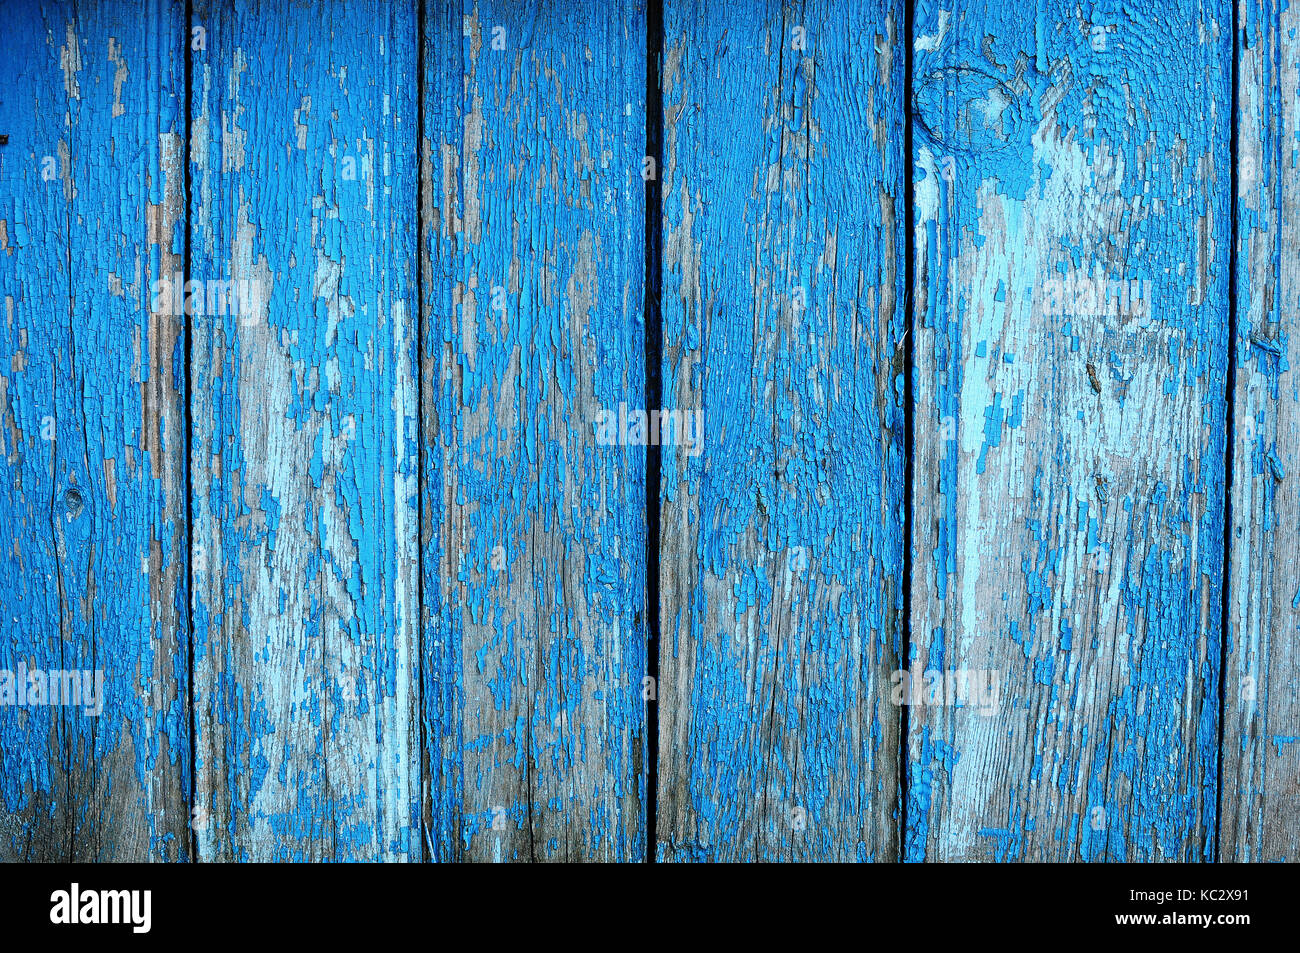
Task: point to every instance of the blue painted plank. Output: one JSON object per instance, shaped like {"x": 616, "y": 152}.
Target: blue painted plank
{"x": 304, "y": 460}
{"x": 92, "y": 437}
{"x": 782, "y": 534}
{"x": 1072, "y": 260}
{"x": 1261, "y": 733}
{"x": 534, "y": 529}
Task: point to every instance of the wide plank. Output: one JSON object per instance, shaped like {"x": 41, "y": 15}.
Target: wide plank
{"x": 305, "y": 418}
{"x": 533, "y": 539}
{"x": 92, "y": 436}
{"x": 784, "y": 212}
{"x": 1071, "y": 323}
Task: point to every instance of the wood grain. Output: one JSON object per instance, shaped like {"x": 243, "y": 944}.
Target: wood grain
{"x": 783, "y": 217}
{"x": 92, "y": 434}
{"x": 304, "y": 460}
{"x": 1069, "y": 494}
{"x": 1261, "y": 735}
{"x": 533, "y": 536}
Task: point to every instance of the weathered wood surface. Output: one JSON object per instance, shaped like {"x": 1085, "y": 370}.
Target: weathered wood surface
{"x": 1069, "y": 451}
{"x": 534, "y": 531}
{"x": 413, "y": 623}
{"x": 305, "y": 409}
{"x": 783, "y": 205}
{"x": 1261, "y": 736}
{"x": 92, "y": 434}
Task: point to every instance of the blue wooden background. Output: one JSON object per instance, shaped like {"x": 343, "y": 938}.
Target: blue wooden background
{"x": 981, "y": 312}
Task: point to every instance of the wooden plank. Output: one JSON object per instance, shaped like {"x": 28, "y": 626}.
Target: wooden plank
{"x": 1261, "y": 735}
{"x": 304, "y": 416}
{"x": 92, "y": 435}
{"x": 534, "y": 532}
{"x": 1069, "y": 451}
{"x": 782, "y": 538}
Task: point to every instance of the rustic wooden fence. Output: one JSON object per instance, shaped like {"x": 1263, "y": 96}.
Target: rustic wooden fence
{"x": 968, "y": 527}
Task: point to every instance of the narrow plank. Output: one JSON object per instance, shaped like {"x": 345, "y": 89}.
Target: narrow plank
{"x": 92, "y": 435}
{"x": 1261, "y": 736}
{"x": 534, "y": 532}
{"x": 1069, "y": 441}
{"x": 304, "y": 453}
{"x": 782, "y": 534}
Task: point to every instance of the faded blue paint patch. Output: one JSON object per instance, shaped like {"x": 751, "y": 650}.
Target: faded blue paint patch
{"x": 1027, "y": 149}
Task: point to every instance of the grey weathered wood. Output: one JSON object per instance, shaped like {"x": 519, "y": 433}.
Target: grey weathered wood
{"x": 534, "y": 532}
{"x": 1069, "y": 455}
{"x": 1261, "y": 735}
{"x": 783, "y": 218}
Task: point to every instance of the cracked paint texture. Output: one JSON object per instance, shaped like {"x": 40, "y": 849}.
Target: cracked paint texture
{"x": 364, "y": 582}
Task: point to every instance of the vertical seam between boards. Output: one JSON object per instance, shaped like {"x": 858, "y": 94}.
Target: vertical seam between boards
{"x": 1229, "y": 430}
{"x": 909, "y": 415}
{"x": 653, "y": 344}
{"x": 426, "y": 803}
{"x": 191, "y": 818}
